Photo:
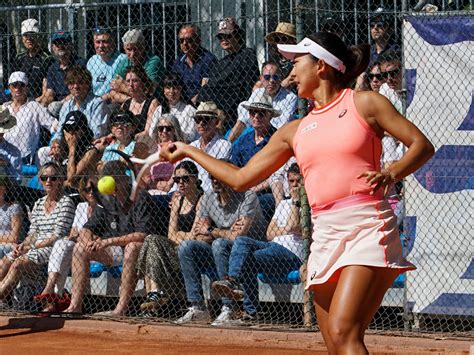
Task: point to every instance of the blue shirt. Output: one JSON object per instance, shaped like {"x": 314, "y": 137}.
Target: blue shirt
{"x": 103, "y": 72}
{"x": 10, "y": 160}
{"x": 96, "y": 111}
{"x": 192, "y": 77}
{"x": 55, "y": 77}
{"x": 245, "y": 147}
{"x": 374, "y": 56}
{"x": 109, "y": 156}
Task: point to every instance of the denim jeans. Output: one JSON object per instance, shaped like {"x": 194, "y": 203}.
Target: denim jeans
{"x": 196, "y": 258}
{"x": 250, "y": 256}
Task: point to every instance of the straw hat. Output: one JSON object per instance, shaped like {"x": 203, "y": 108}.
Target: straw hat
{"x": 207, "y": 108}
{"x": 265, "y": 103}
{"x": 285, "y": 29}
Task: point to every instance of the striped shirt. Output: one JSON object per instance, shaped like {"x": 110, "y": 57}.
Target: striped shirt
{"x": 57, "y": 223}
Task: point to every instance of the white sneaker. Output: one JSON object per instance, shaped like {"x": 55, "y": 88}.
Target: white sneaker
{"x": 194, "y": 315}
{"x": 225, "y": 318}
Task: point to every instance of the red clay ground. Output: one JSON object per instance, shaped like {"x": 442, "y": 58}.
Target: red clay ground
{"x": 28, "y": 335}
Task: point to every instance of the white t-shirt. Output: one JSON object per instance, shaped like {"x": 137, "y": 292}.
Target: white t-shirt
{"x": 80, "y": 216}
{"x": 185, "y": 116}
{"x": 7, "y": 212}
{"x": 292, "y": 242}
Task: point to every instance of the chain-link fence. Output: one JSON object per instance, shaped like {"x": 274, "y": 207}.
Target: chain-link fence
{"x": 82, "y": 80}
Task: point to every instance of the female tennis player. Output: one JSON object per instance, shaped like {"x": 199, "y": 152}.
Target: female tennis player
{"x": 356, "y": 252}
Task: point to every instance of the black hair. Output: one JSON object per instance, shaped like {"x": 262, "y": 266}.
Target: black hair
{"x": 390, "y": 56}
{"x": 294, "y": 168}
{"x": 271, "y": 62}
{"x": 172, "y": 80}
{"x": 355, "y": 58}
{"x": 189, "y": 166}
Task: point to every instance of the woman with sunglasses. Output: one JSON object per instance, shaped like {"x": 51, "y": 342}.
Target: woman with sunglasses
{"x": 51, "y": 220}
{"x": 168, "y": 130}
{"x": 176, "y": 106}
{"x": 53, "y": 295}
{"x": 337, "y": 147}
{"x": 11, "y": 217}
{"x": 372, "y": 79}
{"x": 141, "y": 103}
{"x": 158, "y": 261}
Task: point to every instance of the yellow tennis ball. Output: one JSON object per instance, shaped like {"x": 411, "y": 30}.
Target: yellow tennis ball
{"x": 106, "y": 185}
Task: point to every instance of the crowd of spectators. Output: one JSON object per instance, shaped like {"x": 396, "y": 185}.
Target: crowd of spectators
{"x": 66, "y": 116}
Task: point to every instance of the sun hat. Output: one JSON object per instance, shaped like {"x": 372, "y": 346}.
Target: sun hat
{"x": 207, "y": 108}
{"x": 282, "y": 29}
{"x": 264, "y": 103}
{"x": 29, "y": 26}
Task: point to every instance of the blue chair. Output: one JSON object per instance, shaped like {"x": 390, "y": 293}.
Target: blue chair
{"x": 96, "y": 269}
{"x": 292, "y": 278}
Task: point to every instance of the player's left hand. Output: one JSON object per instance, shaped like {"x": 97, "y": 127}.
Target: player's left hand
{"x": 378, "y": 179}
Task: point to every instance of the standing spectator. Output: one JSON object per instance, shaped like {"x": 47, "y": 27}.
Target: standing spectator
{"x": 63, "y": 50}
{"x": 51, "y": 220}
{"x": 224, "y": 215}
{"x": 79, "y": 81}
{"x": 134, "y": 45}
{"x": 112, "y": 239}
{"x": 194, "y": 65}
{"x": 282, "y": 99}
{"x": 381, "y": 34}
{"x": 231, "y": 79}
{"x": 175, "y": 104}
{"x": 211, "y": 141}
{"x": 282, "y": 253}
{"x": 10, "y": 155}
{"x": 141, "y": 102}
{"x": 35, "y": 60}
{"x": 30, "y": 118}
{"x": 158, "y": 261}
{"x": 11, "y": 217}
{"x": 103, "y": 64}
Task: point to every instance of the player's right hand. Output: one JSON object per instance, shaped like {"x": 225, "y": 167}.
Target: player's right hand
{"x": 173, "y": 152}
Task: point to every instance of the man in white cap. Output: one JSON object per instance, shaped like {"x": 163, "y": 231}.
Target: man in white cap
{"x": 211, "y": 141}
{"x": 35, "y": 60}
{"x": 30, "y": 117}
{"x": 134, "y": 45}
{"x": 283, "y": 100}
{"x": 10, "y": 156}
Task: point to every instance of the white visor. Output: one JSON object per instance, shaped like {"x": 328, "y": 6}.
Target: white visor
{"x": 309, "y": 46}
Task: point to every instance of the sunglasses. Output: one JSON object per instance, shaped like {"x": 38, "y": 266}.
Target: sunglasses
{"x": 87, "y": 189}
{"x": 18, "y": 85}
{"x": 275, "y": 77}
{"x": 379, "y": 24}
{"x": 259, "y": 113}
{"x": 379, "y": 76}
{"x": 390, "y": 73}
{"x": 184, "y": 178}
{"x": 204, "y": 120}
{"x": 222, "y": 37}
{"x": 52, "y": 178}
{"x": 124, "y": 124}
{"x": 189, "y": 40}
{"x": 162, "y": 129}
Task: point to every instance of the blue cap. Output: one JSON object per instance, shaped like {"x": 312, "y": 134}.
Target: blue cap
{"x": 61, "y": 35}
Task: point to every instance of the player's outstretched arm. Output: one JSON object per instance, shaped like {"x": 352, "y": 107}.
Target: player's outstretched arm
{"x": 276, "y": 153}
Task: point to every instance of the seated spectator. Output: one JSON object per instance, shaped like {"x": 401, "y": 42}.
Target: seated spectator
{"x": 103, "y": 64}
{"x": 35, "y": 60}
{"x": 112, "y": 239}
{"x": 282, "y": 253}
{"x": 381, "y": 34}
{"x": 372, "y": 79}
{"x": 175, "y": 104}
{"x": 53, "y": 296}
{"x": 282, "y": 99}
{"x": 279, "y": 181}
{"x": 285, "y": 33}
{"x": 11, "y": 217}
{"x": 57, "y": 91}
{"x": 211, "y": 141}
{"x": 79, "y": 81}
{"x": 122, "y": 128}
{"x": 160, "y": 178}
{"x": 231, "y": 79}
{"x": 194, "y": 65}
{"x": 10, "y": 156}
{"x": 30, "y": 118}
{"x": 51, "y": 220}
{"x": 158, "y": 262}
{"x": 134, "y": 45}
{"x": 141, "y": 102}
{"x": 223, "y": 216}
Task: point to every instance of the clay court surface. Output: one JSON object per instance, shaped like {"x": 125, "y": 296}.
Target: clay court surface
{"x": 28, "y": 334}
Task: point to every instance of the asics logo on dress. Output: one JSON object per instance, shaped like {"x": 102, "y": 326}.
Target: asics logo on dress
{"x": 309, "y": 127}
{"x": 343, "y": 112}
{"x": 313, "y": 275}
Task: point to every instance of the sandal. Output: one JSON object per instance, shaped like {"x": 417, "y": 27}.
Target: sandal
{"x": 154, "y": 300}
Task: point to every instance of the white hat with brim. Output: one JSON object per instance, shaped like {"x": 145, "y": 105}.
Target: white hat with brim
{"x": 264, "y": 104}
{"x": 18, "y": 77}
{"x": 207, "y": 108}
{"x": 308, "y": 46}
{"x": 7, "y": 121}
{"x": 29, "y": 26}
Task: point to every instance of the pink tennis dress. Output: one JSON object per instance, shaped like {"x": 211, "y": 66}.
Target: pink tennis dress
{"x": 333, "y": 145}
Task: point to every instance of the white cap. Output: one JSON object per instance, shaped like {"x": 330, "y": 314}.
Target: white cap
{"x": 133, "y": 36}
{"x": 18, "y": 76}
{"x": 309, "y": 46}
{"x": 30, "y": 25}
